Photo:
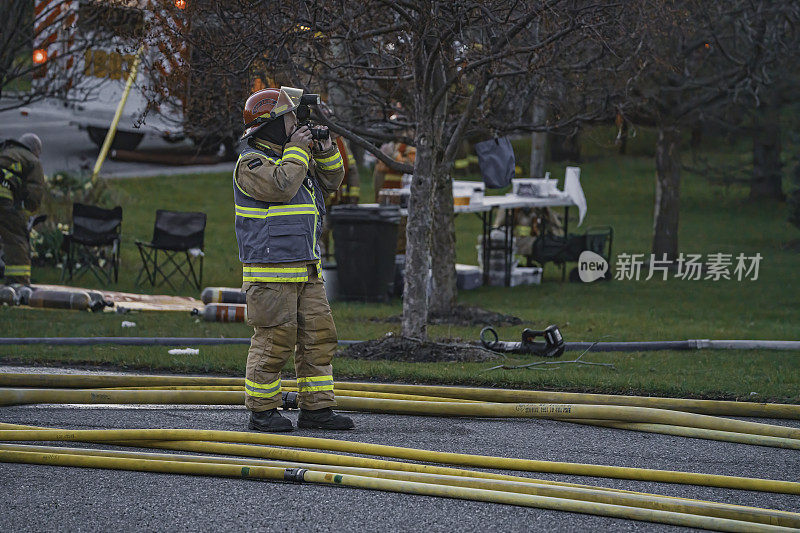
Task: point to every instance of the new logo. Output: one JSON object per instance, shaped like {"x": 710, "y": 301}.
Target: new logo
{"x": 591, "y": 266}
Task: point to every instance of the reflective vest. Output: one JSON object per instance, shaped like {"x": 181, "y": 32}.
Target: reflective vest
{"x": 349, "y": 190}
{"x": 11, "y": 179}
{"x": 275, "y": 232}
{"x": 403, "y": 154}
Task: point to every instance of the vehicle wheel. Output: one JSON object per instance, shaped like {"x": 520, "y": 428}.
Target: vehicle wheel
{"x": 123, "y": 140}
{"x": 210, "y": 145}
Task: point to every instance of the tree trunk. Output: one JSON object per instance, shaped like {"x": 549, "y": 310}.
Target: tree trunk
{"x": 623, "y": 138}
{"x": 538, "y": 142}
{"x": 565, "y": 147}
{"x": 418, "y": 230}
{"x": 358, "y": 155}
{"x": 793, "y": 201}
{"x": 696, "y": 138}
{"x": 428, "y": 142}
{"x": 767, "y": 182}
{"x": 668, "y": 185}
{"x": 443, "y": 246}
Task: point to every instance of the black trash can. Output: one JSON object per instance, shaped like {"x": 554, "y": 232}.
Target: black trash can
{"x": 365, "y": 240}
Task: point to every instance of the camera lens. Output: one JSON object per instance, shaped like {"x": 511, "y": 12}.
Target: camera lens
{"x": 320, "y": 134}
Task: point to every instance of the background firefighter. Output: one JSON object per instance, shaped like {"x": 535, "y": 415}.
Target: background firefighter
{"x": 385, "y": 177}
{"x": 280, "y": 183}
{"x": 348, "y": 193}
{"x": 350, "y": 190}
{"x": 21, "y": 191}
{"x": 529, "y": 223}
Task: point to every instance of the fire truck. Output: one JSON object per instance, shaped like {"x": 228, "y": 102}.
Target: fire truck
{"x": 96, "y": 41}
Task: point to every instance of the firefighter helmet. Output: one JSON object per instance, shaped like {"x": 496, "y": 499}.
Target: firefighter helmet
{"x": 32, "y": 142}
{"x": 268, "y": 104}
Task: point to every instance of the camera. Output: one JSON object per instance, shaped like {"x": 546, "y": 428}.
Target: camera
{"x": 320, "y": 134}
{"x": 303, "y": 113}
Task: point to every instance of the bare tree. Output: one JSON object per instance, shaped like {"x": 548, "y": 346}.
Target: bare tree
{"x": 520, "y": 90}
{"x": 757, "y": 113}
{"x": 667, "y": 65}
{"x": 461, "y": 64}
{"x": 694, "y": 59}
{"x": 780, "y": 72}
{"x": 40, "y": 53}
{"x": 423, "y": 72}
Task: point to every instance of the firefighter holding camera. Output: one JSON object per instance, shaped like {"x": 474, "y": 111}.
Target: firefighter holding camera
{"x": 280, "y": 182}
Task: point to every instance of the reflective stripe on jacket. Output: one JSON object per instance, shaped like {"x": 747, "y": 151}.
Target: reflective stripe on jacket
{"x": 10, "y": 180}
{"x": 272, "y": 232}
{"x": 21, "y": 176}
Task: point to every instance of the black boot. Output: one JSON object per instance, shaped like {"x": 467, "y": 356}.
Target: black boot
{"x": 323, "y": 418}
{"x": 270, "y": 421}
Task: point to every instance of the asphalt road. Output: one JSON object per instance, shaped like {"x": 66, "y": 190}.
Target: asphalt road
{"x": 68, "y": 148}
{"x": 43, "y": 498}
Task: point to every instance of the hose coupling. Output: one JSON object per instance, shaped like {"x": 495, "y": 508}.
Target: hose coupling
{"x": 294, "y": 475}
{"x": 486, "y": 340}
{"x": 289, "y": 400}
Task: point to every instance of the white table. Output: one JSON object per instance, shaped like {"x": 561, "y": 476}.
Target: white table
{"x": 509, "y": 202}
{"x": 512, "y": 201}
{"x": 486, "y": 209}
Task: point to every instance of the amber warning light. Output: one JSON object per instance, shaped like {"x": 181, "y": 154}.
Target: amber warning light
{"x": 180, "y": 4}
{"x": 39, "y": 56}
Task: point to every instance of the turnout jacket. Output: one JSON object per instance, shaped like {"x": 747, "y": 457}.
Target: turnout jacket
{"x": 21, "y": 176}
{"x": 279, "y": 201}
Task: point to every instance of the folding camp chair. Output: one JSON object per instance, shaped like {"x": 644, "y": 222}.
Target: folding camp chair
{"x": 561, "y": 250}
{"x": 599, "y": 239}
{"x": 93, "y": 244}
{"x": 179, "y": 237}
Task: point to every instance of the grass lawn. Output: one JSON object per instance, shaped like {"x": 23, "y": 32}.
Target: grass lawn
{"x": 619, "y": 191}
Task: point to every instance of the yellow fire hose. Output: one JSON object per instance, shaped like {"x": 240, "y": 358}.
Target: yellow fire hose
{"x": 427, "y": 479}
{"x": 726, "y": 436}
{"x": 710, "y": 407}
{"x": 190, "y": 387}
{"x": 550, "y": 411}
{"x": 369, "y": 465}
{"x": 112, "y": 130}
{"x": 390, "y": 485}
{"x": 697, "y": 433}
{"x": 567, "y": 412}
{"x": 542, "y": 502}
{"x": 479, "y": 461}
{"x": 86, "y": 381}
{"x": 354, "y": 393}
{"x": 328, "y": 459}
{"x": 391, "y": 396}
{"x": 654, "y": 502}
{"x": 89, "y": 396}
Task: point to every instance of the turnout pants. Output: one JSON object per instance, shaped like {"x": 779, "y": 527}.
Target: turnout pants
{"x": 285, "y": 315}
{"x": 16, "y": 246}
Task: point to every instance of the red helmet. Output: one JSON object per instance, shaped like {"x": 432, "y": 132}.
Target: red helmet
{"x": 268, "y": 104}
